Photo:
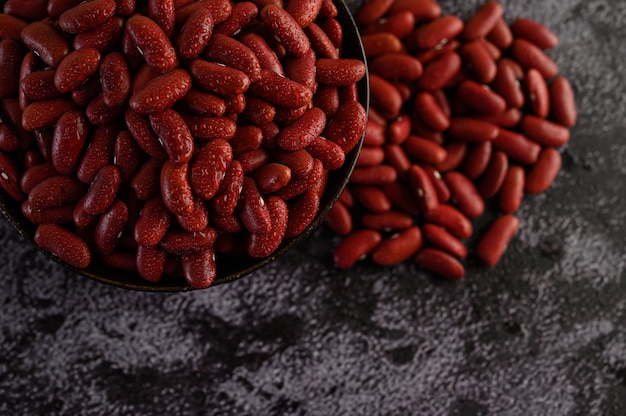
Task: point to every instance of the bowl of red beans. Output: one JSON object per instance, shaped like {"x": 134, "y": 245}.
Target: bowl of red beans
{"x": 176, "y": 145}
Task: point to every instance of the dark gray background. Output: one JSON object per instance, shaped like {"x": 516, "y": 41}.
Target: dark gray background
{"x": 544, "y": 333}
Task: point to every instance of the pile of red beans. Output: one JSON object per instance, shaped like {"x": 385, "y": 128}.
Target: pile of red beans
{"x": 464, "y": 116}
{"x": 149, "y": 135}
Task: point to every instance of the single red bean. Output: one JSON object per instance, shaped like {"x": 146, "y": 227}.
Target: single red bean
{"x": 421, "y": 9}
{"x": 501, "y": 35}
{"x": 11, "y": 26}
{"x": 562, "y": 102}
{"x": 303, "y": 131}
{"x": 42, "y": 114}
{"x": 423, "y": 189}
{"x": 75, "y": 68}
{"x": 99, "y": 153}
{"x": 371, "y": 11}
{"x": 153, "y": 222}
{"x": 438, "y": 72}
{"x": 175, "y": 188}
{"x": 465, "y": 194}
{"x": 161, "y": 93}
{"x": 10, "y": 178}
{"x": 483, "y": 21}
{"x": 53, "y": 215}
{"x": 396, "y": 66}
{"x": 387, "y": 221}
{"x": 102, "y": 191}
{"x": 272, "y": 177}
{"x": 204, "y": 103}
{"x": 232, "y": 53}
{"x": 494, "y": 174}
{"x": 64, "y": 244}
{"x": 339, "y": 72}
{"x": 373, "y": 175}
{"x": 512, "y": 190}
{"x": 543, "y": 173}
{"x": 115, "y": 79}
{"x": 425, "y": 150}
{"x": 174, "y": 135}
{"x": 479, "y": 60}
{"x": 285, "y": 28}
{"x": 110, "y": 227}
{"x": 46, "y": 41}
{"x": 440, "y": 30}
{"x": 321, "y": 44}
{"x": 385, "y": 97}
{"x": 441, "y": 263}
{"x": 371, "y": 198}
{"x": 181, "y": 241}
{"x": 220, "y": 9}
{"x": 152, "y": 41}
{"x": 281, "y": 91}
{"x": 544, "y": 132}
{"x": 209, "y": 168}
{"x": 347, "y": 127}
{"x": 329, "y": 153}
{"x": 240, "y": 16}
{"x": 211, "y": 128}
{"x": 472, "y": 130}
{"x": 87, "y": 16}
{"x": 494, "y": 242}
{"x": 442, "y": 190}
{"x": 197, "y": 219}
{"x": 146, "y": 182}
{"x": 452, "y": 220}
{"x": 104, "y": 37}
{"x": 254, "y": 212}
{"x": 530, "y": 56}
{"x": 510, "y": 118}
{"x": 400, "y": 24}
{"x": 399, "y": 247}
{"x": 34, "y": 175}
{"x": 395, "y": 155}
{"x": 139, "y": 127}
{"x": 11, "y": 56}
{"x": 477, "y": 159}
{"x": 507, "y": 85}
{"x": 480, "y": 98}
{"x": 537, "y": 93}
{"x": 376, "y": 44}
{"x": 199, "y": 268}
{"x": 430, "y": 111}
{"x": 264, "y": 53}
{"x": 534, "y": 32}
{"x": 339, "y": 219}
{"x": 355, "y": 247}
{"x": 127, "y": 155}
{"x": 151, "y": 262}
{"x": 442, "y": 239}
{"x": 195, "y": 34}
{"x": 302, "y": 212}
{"x": 70, "y": 137}
{"x": 98, "y": 113}
{"x": 517, "y": 146}
{"x": 456, "y": 151}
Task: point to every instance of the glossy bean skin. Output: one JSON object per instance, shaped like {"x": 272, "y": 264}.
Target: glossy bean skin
{"x": 483, "y": 21}
{"x": 339, "y": 72}
{"x": 241, "y": 15}
{"x": 234, "y": 54}
{"x": 399, "y": 247}
{"x": 264, "y": 244}
{"x": 11, "y": 26}
{"x": 543, "y": 173}
{"x": 110, "y": 226}
{"x": 115, "y": 79}
{"x": 517, "y": 146}
{"x": 400, "y": 66}
{"x": 199, "y": 268}
{"x": 339, "y": 219}
{"x": 174, "y": 134}
{"x": 69, "y": 140}
{"x": 303, "y": 131}
{"x": 423, "y": 190}
{"x": 562, "y": 102}
{"x": 355, "y": 247}
{"x": 98, "y": 154}
{"x": 47, "y": 42}
{"x": 442, "y": 239}
{"x": 537, "y": 92}
{"x": 452, "y": 220}
{"x": 152, "y": 224}
{"x": 494, "y": 175}
{"x": 512, "y": 190}
{"x": 534, "y": 32}
{"x": 530, "y": 56}
{"x": 102, "y": 191}
{"x": 285, "y": 28}
{"x": 75, "y": 68}
{"x": 156, "y": 49}
{"x": 440, "y": 263}
{"x": 151, "y": 262}
{"x": 10, "y": 178}
{"x": 272, "y": 177}
{"x": 41, "y": 114}
{"x": 465, "y": 194}
{"x": 87, "y": 16}
{"x": 254, "y": 212}
{"x": 64, "y": 244}
{"x": 10, "y": 66}
{"x": 209, "y": 167}
{"x": 281, "y": 91}
{"x": 225, "y": 200}
{"x": 494, "y": 241}
{"x": 348, "y": 125}
{"x": 480, "y": 99}
{"x": 103, "y": 37}
{"x": 161, "y": 93}
{"x": 544, "y": 132}
{"x": 175, "y": 188}
{"x": 441, "y": 29}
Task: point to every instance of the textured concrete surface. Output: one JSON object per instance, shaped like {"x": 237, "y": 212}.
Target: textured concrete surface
{"x": 544, "y": 333}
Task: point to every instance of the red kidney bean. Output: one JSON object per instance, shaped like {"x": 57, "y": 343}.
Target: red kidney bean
{"x": 456, "y": 151}
{"x": 477, "y": 159}
{"x": 253, "y": 160}
{"x": 153, "y": 222}
{"x": 451, "y": 219}
{"x": 54, "y": 215}
{"x": 87, "y": 92}
{"x": 442, "y": 239}
{"x": 371, "y": 197}
{"x": 355, "y": 247}
{"x": 501, "y": 35}
{"x": 430, "y": 111}
{"x": 400, "y": 24}
{"x": 339, "y": 219}
{"x": 75, "y": 68}
{"x": 302, "y": 69}
{"x": 530, "y": 56}
{"x": 55, "y": 191}
{"x": 262, "y": 245}
{"x": 209, "y": 168}
{"x": 438, "y": 72}
{"x": 110, "y": 227}
{"x": 421, "y": 9}
{"x": 9, "y": 142}
{"x": 42, "y": 114}
{"x": 146, "y": 182}
{"x": 87, "y": 16}
{"x": 399, "y": 247}
{"x": 115, "y": 79}
{"x": 537, "y": 93}
{"x": 387, "y": 221}
{"x": 512, "y": 190}
{"x": 152, "y": 41}
{"x": 285, "y": 28}
{"x": 374, "y": 175}
{"x": 348, "y": 125}
{"x": 479, "y": 61}
{"x": 371, "y": 11}
{"x": 510, "y": 118}
{"x": 495, "y": 240}
{"x": 99, "y": 153}
{"x": 480, "y": 98}
{"x": 562, "y": 102}
{"x": 535, "y": 33}
{"x": 396, "y": 66}
{"x": 195, "y": 34}
{"x": 303, "y": 131}
{"x": 281, "y": 91}
{"x": 220, "y": 9}
{"x": 233, "y": 54}
{"x": 98, "y": 113}
{"x": 264, "y": 53}
{"x": 254, "y": 212}
{"x": 395, "y": 155}
{"x": 401, "y": 197}
{"x": 162, "y": 12}
{"x": 423, "y": 189}
{"x": 483, "y": 21}
{"x": 472, "y": 130}
{"x": 542, "y": 174}
{"x": 272, "y": 177}
{"x": 11, "y": 26}
{"x": 69, "y": 140}
{"x": 151, "y": 263}
{"x": 376, "y": 44}
{"x": 517, "y": 146}
{"x": 162, "y": 92}
{"x": 321, "y": 44}
{"x": 127, "y": 155}
{"x": 465, "y": 194}
{"x": 34, "y": 175}
{"x": 441, "y": 263}
{"x": 104, "y": 37}
{"x": 175, "y": 188}
{"x": 544, "y": 132}
{"x": 56, "y": 7}
{"x": 425, "y": 150}
{"x": 10, "y": 178}
{"x": 197, "y": 219}
{"x": 302, "y": 213}
{"x": 440, "y": 30}
{"x": 47, "y": 42}
{"x": 385, "y": 97}
{"x": 507, "y": 85}
{"x": 64, "y": 244}
{"x": 102, "y": 190}
{"x": 10, "y": 65}
{"x": 182, "y": 241}
{"x": 494, "y": 175}
{"x": 211, "y": 128}
{"x": 329, "y": 153}
{"x": 199, "y": 268}
{"x": 339, "y": 72}
{"x": 240, "y": 16}
{"x": 139, "y": 127}
{"x": 174, "y": 135}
